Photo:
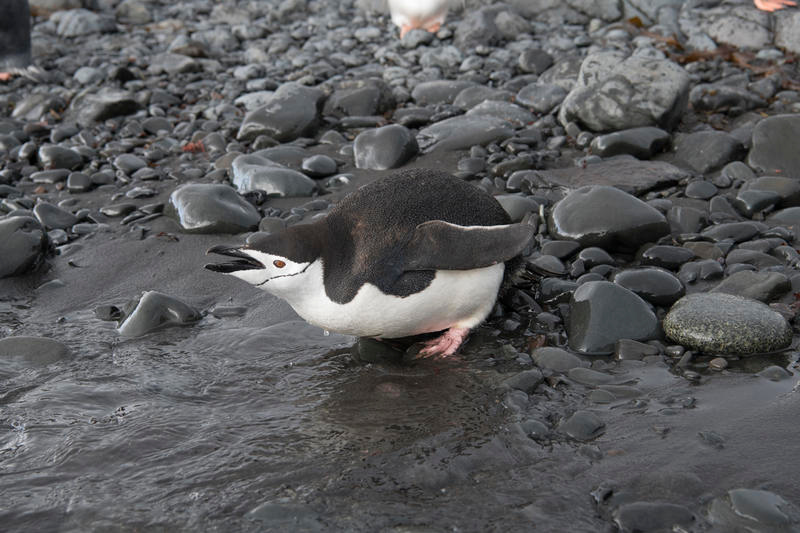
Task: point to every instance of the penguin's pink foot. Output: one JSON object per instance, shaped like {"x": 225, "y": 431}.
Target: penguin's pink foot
{"x": 446, "y": 344}
{"x": 5, "y": 76}
{"x": 773, "y": 5}
{"x": 405, "y": 28}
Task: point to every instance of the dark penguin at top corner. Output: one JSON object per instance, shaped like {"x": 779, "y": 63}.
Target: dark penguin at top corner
{"x": 419, "y": 251}
{"x": 15, "y": 41}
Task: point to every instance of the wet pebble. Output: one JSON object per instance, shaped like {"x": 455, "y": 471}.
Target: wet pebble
{"x": 53, "y": 217}
{"x": 384, "y": 148}
{"x": 775, "y": 373}
{"x": 657, "y": 286}
{"x": 19, "y": 353}
{"x": 462, "y": 132}
{"x": 292, "y": 112}
{"x": 319, "y": 166}
{"x": 774, "y": 151}
{"x": 763, "y": 286}
{"x": 23, "y": 244}
{"x": 53, "y": 156}
{"x": 653, "y": 516}
{"x": 154, "y": 310}
{"x": 556, "y": 359}
{"x": 642, "y": 143}
{"x": 753, "y": 510}
{"x": 253, "y": 172}
{"x": 582, "y": 426}
{"x": 727, "y": 324}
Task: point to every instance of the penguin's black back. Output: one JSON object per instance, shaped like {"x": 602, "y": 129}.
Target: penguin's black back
{"x": 369, "y": 229}
{"x": 15, "y": 34}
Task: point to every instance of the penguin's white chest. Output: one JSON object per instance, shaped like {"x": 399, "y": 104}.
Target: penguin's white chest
{"x": 413, "y": 12}
{"x": 460, "y": 298}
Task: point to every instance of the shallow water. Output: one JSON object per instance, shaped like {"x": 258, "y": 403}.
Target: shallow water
{"x": 261, "y": 422}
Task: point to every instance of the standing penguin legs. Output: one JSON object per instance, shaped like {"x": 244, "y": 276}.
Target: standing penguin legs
{"x": 773, "y": 5}
{"x": 445, "y": 344}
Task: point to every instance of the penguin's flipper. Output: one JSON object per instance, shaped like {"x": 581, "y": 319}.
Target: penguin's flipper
{"x": 439, "y": 245}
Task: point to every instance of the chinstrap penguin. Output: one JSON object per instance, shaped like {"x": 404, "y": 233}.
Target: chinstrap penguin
{"x": 15, "y": 42}
{"x": 417, "y": 252}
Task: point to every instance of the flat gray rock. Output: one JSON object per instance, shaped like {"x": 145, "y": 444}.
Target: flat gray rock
{"x": 23, "y": 243}
{"x": 253, "y": 172}
{"x": 727, "y": 324}
{"x": 154, "y": 310}
{"x": 463, "y": 132}
{"x": 607, "y": 217}
{"x": 625, "y": 173}
{"x": 19, "y": 353}
{"x": 762, "y": 286}
{"x": 384, "y": 148}
{"x": 211, "y": 208}
{"x": 774, "y": 149}
{"x": 292, "y": 112}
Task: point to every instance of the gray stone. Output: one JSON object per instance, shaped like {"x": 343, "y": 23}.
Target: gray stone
{"x": 507, "y": 111}
{"x": 601, "y": 313}
{"x": 787, "y": 31}
{"x": 657, "y": 286}
{"x": 642, "y": 143}
{"x": 472, "y": 96}
{"x": 582, "y": 426}
{"x": 724, "y": 323}
{"x": 53, "y": 217}
{"x": 19, "y": 353}
{"x": 652, "y": 516}
{"x": 154, "y": 310}
{"x": 76, "y": 22}
{"x": 106, "y": 103}
{"x": 556, "y": 359}
{"x": 438, "y": 91}
{"x": 54, "y": 156}
{"x": 384, "y": 148}
{"x": 752, "y": 510}
{"x": 624, "y": 173}
{"x": 606, "y": 217}
{"x": 614, "y": 93}
{"x": 774, "y": 149}
{"x": 211, "y": 208}
{"x": 253, "y": 172}
{"x": 704, "y": 151}
{"x": 133, "y": 12}
{"x": 724, "y": 98}
{"x": 23, "y": 243}
{"x": 541, "y": 97}
{"x": 291, "y": 112}
{"x": 463, "y": 132}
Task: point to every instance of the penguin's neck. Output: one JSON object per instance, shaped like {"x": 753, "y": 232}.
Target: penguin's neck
{"x": 307, "y": 297}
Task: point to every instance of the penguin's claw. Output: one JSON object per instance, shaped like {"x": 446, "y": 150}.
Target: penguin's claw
{"x": 773, "y": 5}
{"x": 446, "y": 344}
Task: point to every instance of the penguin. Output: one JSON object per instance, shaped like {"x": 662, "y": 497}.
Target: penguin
{"x": 419, "y": 251}
{"x": 773, "y": 5}
{"x": 15, "y": 42}
{"x": 412, "y": 14}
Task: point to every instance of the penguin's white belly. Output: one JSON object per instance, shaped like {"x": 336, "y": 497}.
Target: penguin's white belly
{"x": 409, "y": 11}
{"x": 460, "y": 298}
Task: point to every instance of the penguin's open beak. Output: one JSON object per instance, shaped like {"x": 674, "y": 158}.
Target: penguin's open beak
{"x": 242, "y": 262}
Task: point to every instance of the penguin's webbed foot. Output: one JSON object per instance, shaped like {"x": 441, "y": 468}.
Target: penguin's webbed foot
{"x": 773, "y": 5}
{"x": 446, "y": 344}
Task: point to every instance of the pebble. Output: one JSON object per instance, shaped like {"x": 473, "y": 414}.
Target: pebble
{"x": 657, "y": 286}
{"x": 462, "y": 132}
{"x": 384, "y": 148}
{"x": 582, "y": 426}
{"x": 642, "y": 143}
{"x": 154, "y": 310}
{"x": 292, "y": 111}
{"x": 23, "y": 245}
{"x": 256, "y": 173}
{"x": 19, "y": 353}
{"x": 556, "y": 359}
{"x": 753, "y": 510}
{"x": 726, "y": 324}
{"x": 653, "y": 516}
{"x": 53, "y": 217}
{"x": 773, "y": 151}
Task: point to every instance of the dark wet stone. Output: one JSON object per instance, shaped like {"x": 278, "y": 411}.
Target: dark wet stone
{"x": 762, "y": 286}
{"x": 704, "y": 151}
{"x": 615, "y": 93}
{"x": 535, "y": 61}
{"x": 253, "y": 172}
{"x": 601, "y": 313}
{"x": 516, "y": 206}
{"x": 438, "y": 91}
{"x": 53, "y": 156}
{"x": 724, "y": 98}
{"x": 78, "y": 182}
{"x": 153, "y": 125}
{"x": 582, "y": 426}
{"x": 19, "y": 353}
{"x": 642, "y": 143}
{"x": 625, "y": 173}
{"x": 630, "y": 350}
{"x": 652, "y": 516}
{"x": 23, "y": 244}
{"x": 462, "y": 132}
{"x": 700, "y": 189}
{"x": 752, "y": 257}
{"x": 129, "y": 163}
{"x": 606, "y": 217}
{"x": 547, "y": 265}
{"x": 541, "y": 97}
{"x": 685, "y": 219}
{"x": 774, "y": 149}
{"x": 704, "y": 270}
{"x": 472, "y": 96}
{"x": 360, "y": 98}
{"x": 319, "y": 166}
{"x": 752, "y": 510}
{"x": 535, "y": 429}
{"x": 727, "y": 324}
{"x": 173, "y": 64}
{"x": 154, "y": 310}
{"x": 117, "y": 210}
{"x": 384, "y": 148}
{"x": 560, "y": 249}
{"x": 374, "y": 351}
{"x": 53, "y": 217}
{"x": 76, "y": 22}
{"x": 107, "y": 103}
{"x": 211, "y": 208}
{"x": 775, "y": 373}
{"x": 657, "y": 286}
{"x": 293, "y": 111}
{"x": 593, "y": 256}
{"x": 733, "y": 231}
{"x": 750, "y": 202}
{"x": 55, "y": 175}
{"x": 787, "y": 189}
{"x": 665, "y": 256}
{"x": 38, "y": 105}
{"x": 787, "y": 217}
{"x": 556, "y": 290}
{"x": 556, "y": 359}
{"x": 525, "y": 381}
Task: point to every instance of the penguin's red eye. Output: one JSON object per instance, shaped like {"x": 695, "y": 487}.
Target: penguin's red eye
{"x": 278, "y": 263}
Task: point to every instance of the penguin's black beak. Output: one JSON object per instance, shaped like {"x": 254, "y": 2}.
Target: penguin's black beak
{"x": 242, "y": 260}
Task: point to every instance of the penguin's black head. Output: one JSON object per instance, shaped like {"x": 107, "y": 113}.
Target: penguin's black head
{"x": 269, "y": 260}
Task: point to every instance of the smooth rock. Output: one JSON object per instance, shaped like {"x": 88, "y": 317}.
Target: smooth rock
{"x": 211, "y": 208}
{"x": 463, "y": 132}
{"x": 556, "y": 359}
{"x": 774, "y": 149}
{"x": 657, "y": 286}
{"x": 726, "y": 324}
{"x": 625, "y": 173}
{"x": 23, "y": 244}
{"x": 19, "y": 353}
{"x": 652, "y": 516}
{"x": 53, "y": 156}
{"x": 256, "y": 173}
{"x": 762, "y": 286}
{"x": 88, "y": 108}
{"x": 154, "y": 310}
{"x": 292, "y": 112}
{"x": 642, "y": 143}
{"x": 582, "y": 426}
{"x": 53, "y": 217}
{"x": 384, "y": 148}
{"x": 601, "y": 313}
{"x": 606, "y": 217}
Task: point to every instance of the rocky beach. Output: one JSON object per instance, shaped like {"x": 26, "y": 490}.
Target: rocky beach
{"x": 638, "y": 373}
